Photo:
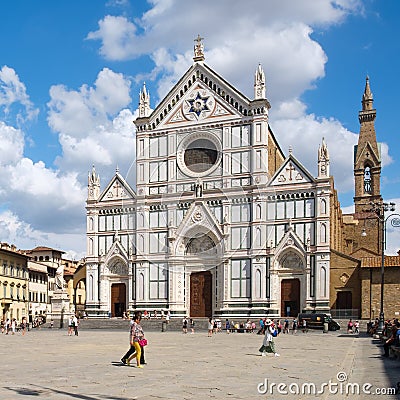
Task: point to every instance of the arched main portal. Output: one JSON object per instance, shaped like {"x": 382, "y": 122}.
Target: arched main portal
{"x": 201, "y": 252}
{"x": 118, "y": 299}
{"x": 290, "y": 297}
{"x": 201, "y": 294}
{"x": 292, "y": 273}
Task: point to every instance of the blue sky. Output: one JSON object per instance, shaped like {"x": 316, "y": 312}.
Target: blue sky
{"x": 71, "y": 71}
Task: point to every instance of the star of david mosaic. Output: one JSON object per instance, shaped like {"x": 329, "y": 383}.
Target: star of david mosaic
{"x": 198, "y": 104}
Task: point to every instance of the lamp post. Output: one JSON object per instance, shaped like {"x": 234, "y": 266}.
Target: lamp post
{"x": 379, "y": 209}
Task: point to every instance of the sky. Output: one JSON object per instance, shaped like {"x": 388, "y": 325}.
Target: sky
{"x": 71, "y": 72}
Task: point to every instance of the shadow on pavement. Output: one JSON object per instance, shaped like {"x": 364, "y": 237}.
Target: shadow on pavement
{"x": 45, "y": 391}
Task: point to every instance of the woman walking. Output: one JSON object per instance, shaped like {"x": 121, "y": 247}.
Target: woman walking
{"x": 136, "y": 334}
{"x": 268, "y": 345}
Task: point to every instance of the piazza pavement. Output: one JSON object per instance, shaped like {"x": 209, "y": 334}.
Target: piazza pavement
{"x": 49, "y": 364}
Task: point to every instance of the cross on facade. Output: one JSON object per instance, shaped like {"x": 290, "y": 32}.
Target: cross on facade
{"x": 290, "y": 169}
{"x": 116, "y": 187}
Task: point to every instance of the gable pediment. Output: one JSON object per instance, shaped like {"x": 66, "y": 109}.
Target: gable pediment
{"x": 200, "y": 95}
{"x": 199, "y": 104}
{"x": 291, "y": 172}
{"x": 117, "y": 189}
{"x": 199, "y": 218}
{"x": 290, "y": 241}
{"x": 366, "y": 154}
{"x": 115, "y": 262}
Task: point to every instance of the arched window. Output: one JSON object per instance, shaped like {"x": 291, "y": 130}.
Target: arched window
{"x": 323, "y": 282}
{"x": 258, "y": 237}
{"x": 90, "y": 246}
{"x": 258, "y": 211}
{"x": 367, "y": 180}
{"x": 323, "y": 206}
{"x": 141, "y": 287}
{"x": 257, "y": 283}
{"x": 323, "y": 233}
{"x": 91, "y": 287}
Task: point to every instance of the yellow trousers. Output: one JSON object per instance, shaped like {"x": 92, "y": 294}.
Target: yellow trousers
{"x": 137, "y": 353}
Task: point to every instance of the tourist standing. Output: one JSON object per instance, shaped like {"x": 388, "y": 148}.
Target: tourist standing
{"x": 304, "y": 326}
{"x": 268, "y": 345}
{"x": 227, "y": 326}
{"x": 192, "y": 323}
{"x": 23, "y": 326}
{"x": 136, "y": 334}
{"x": 350, "y": 326}
{"x": 13, "y": 326}
{"x": 286, "y": 326}
{"x": 210, "y": 327}
{"x": 75, "y": 324}
{"x": 184, "y": 325}
{"x": 261, "y": 330}
{"x": 70, "y": 325}
{"x": 7, "y": 325}
{"x": 294, "y": 326}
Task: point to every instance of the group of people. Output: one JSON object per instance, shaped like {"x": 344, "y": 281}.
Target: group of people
{"x": 391, "y": 333}
{"x": 188, "y": 322}
{"x": 73, "y": 325}
{"x": 137, "y": 342}
{"x": 11, "y": 325}
{"x": 353, "y": 327}
{"x": 163, "y": 315}
{"x": 286, "y": 327}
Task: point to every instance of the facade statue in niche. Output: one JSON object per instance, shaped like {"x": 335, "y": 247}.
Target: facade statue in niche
{"x": 201, "y": 245}
{"x": 198, "y": 188}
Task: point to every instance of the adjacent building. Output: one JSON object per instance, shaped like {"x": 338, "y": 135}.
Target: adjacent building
{"x": 14, "y": 280}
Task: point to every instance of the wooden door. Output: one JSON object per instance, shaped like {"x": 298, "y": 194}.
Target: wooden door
{"x": 290, "y": 297}
{"x": 201, "y": 294}
{"x": 118, "y": 299}
{"x": 344, "y": 300}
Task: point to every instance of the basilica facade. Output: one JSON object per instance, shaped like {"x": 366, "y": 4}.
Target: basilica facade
{"x": 221, "y": 222}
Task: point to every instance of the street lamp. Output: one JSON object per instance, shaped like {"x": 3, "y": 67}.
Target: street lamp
{"x": 379, "y": 209}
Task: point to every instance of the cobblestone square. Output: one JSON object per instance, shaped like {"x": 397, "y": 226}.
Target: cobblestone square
{"x": 49, "y": 364}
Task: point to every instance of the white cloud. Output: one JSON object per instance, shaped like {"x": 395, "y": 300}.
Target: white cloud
{"x": 13, "y": 92}
{"x": 76, "y": 113}
{"x": 118, "y": 36}
{"x": 15, "y": 231}
{"x": 12, "y": 144}
{"x": 305, "y": 133}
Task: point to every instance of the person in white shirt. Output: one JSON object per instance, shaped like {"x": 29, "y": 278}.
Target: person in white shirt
{"x": 268, "y": 345}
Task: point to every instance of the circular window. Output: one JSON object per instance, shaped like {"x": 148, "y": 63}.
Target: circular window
{"x": 199, "y": 154}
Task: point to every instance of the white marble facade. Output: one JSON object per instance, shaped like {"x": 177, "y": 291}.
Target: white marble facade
{"x": 209, "y": 229}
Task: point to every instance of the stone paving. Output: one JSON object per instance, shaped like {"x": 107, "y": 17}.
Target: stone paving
{"x": 48, "y": 364}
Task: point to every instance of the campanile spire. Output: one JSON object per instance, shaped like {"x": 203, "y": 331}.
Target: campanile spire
{"x": 367, "y": 157}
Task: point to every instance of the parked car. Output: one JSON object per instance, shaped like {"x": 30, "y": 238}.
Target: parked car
{"x": 316, "y": 321}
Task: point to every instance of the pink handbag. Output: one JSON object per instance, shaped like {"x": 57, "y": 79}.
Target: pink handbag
{"x": 143, "y": 342}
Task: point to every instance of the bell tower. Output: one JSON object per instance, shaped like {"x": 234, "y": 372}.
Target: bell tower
{"x": 367, "y": 156}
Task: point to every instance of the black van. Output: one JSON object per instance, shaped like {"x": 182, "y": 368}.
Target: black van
{"x": 316, "y": 321}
